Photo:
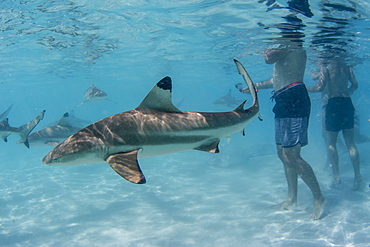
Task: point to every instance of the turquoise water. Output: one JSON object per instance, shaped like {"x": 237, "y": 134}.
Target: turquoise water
{"x": 52, "y": 51}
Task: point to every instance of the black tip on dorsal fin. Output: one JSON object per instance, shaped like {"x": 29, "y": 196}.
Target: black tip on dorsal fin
{"x": 66, "y": 114}
{"x": 6, "y": 121}
{"x": 165, "y": 83}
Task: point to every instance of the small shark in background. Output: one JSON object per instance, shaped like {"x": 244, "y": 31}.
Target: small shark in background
{"x": 155, "y": 127}
{"x": 72, "y": 120}
{"x": 23, "y": 131}
{"x": 228, "y": 100}
{"x": 52, "y": 136}
{"x": 5, "y": 113}
{"x": 94, "y": 94}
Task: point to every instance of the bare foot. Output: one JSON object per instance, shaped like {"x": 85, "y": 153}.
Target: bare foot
{"x": 286, "y": 205}
{"x": 335, "y": 182}
{"x": 357, "y": 183}
{"x": 318, "y": 209}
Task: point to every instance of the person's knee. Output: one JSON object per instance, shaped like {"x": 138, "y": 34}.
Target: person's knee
{"x": 353, "y": 151}
{"x": 332, "y": 148}
{"x": 291, "y": 155}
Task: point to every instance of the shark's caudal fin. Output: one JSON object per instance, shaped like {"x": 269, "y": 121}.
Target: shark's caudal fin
{"x": 25, "y": 129}
{"x": 159, "y": 98}
{"x": 248, "y": 81}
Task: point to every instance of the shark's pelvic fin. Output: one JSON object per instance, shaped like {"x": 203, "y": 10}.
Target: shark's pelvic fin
{"x": 127, "y": 166}
{"x": 211, "y": 147}
{"x": 159, "y": 98}
{"x": 52, "y": 143}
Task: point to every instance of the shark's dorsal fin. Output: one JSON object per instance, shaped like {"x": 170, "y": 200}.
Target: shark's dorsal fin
{"x": 5, "y": 122}
{"x": 241, "y": 106}
{"x": 126, "y": 165}
{"x": 5, "y": 113}
{"x": 211, "y": 147}
{"x": 159, "y": 98}
{"x": 64, "y": 121}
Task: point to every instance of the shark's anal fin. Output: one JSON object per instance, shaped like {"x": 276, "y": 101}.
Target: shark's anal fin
{"x": 211, "y": 147}
{"x": 126, "y": 165}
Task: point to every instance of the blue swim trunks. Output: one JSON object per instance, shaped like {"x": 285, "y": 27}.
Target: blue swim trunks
{"x": 292, "y": 112}
{"x": 291, "y": 131}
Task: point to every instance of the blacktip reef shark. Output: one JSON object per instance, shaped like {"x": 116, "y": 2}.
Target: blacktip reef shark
{"x": 228, "y": 100}
{"x": 5, "y": 113}
{"x": 72, "y": 120}
{"x": 155, "y": 127}
{"x": 23, "y": 131}
{"x": 53, "y": 135}
{"x": 94, "y": 94}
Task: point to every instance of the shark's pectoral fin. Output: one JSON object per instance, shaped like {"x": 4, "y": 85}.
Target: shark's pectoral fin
{"x": 211, "y": 147}
{"x": 126, "y": 165}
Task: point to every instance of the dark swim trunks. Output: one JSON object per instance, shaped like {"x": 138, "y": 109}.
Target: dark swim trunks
{"x": 292, "y": 111}
{"x": 292, "y": 101}
{"x": 339, "y": 114}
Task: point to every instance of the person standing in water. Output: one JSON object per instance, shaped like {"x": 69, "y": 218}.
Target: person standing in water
{"x": 292, "y": 111}
{"x": 339, "y": 115}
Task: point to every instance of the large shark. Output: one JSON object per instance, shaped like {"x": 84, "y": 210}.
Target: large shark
{"x": 155, "y": 127}
{"x": 53, "y": 135}
{"x": 23, "y": 131}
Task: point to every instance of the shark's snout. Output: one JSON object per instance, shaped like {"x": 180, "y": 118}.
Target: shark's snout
{"x": 47, "y": 159}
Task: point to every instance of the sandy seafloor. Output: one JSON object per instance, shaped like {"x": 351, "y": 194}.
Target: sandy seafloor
{"x": 190, "y": 199}
{"x": 52, "y": 51}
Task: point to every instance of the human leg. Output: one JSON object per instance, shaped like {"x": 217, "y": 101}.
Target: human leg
{"x": 305, "y": 171}
{"x": 348, "y": 135}
{"x": 292, "y": 180}
{"x": 333, "y": 156}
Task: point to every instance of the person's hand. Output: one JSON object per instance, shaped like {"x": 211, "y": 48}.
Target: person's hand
{"x": 239, "y": 86}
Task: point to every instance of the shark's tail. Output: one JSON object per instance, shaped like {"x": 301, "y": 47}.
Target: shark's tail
{"x": 26, "y": 129}
{"x": 248, "y": 81}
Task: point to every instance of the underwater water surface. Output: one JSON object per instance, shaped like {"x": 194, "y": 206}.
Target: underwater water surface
{"x": 53, "y": 51}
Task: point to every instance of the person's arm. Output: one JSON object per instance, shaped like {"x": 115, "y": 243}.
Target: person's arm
{"x": 353, "y": 80}
{"x": 265, "y": 84}
{"x": 260, "y": 85}
{"x": 320, "y": 85}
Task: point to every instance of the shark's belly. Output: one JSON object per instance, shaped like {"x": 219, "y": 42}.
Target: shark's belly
{"x": 155, "y": 150}
{"x": 169, "y": 143}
